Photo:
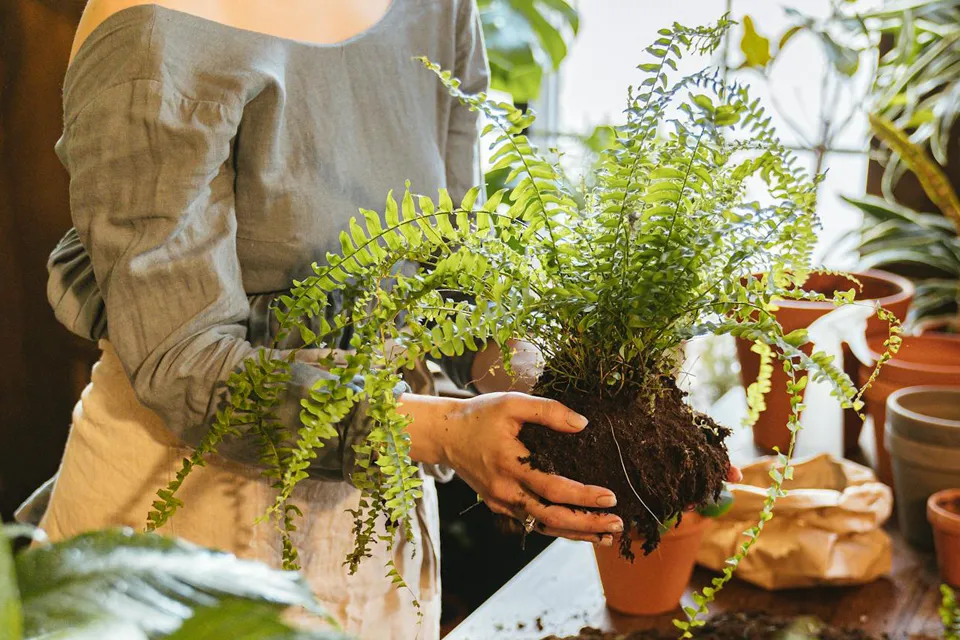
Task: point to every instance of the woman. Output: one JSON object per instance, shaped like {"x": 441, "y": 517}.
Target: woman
{"x": 216, "y": 148}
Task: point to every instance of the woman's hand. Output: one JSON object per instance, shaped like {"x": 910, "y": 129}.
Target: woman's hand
{"x": 478, "y": 438}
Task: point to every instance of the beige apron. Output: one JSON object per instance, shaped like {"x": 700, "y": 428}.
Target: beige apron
{"x": 119, "y": 453}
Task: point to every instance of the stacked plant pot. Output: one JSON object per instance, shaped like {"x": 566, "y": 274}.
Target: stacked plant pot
{"x": 892, "y": 292}
{"x": 943, "y": 513}
{"x": 923, "y": 440}
{"x": 930, "y": 359}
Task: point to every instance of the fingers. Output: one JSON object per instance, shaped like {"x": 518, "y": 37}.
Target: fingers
{"x": 560, "y": 490}
{"x": 548, "y": 413}
{"x": 555, "y": 516}
{"x": 603, "y": 539}
{"x": 734, "y": 474}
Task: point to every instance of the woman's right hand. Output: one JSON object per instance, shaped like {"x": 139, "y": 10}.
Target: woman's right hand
{"x": 478, "y": 438}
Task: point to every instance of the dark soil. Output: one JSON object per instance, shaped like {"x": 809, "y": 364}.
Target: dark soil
{"x": 740, "y": 626}
{"x": 674, "y": 457}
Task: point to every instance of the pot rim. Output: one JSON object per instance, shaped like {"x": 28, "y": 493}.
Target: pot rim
{"x": 893, "y": 403}
{"x": 907, "y": 291}
{"x": 939, "y": 517}
{"x": 692, "y": 523}
{"x": 907, "y": 365}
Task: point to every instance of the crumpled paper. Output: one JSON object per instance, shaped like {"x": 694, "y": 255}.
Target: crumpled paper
{"x": 825, "y": 531}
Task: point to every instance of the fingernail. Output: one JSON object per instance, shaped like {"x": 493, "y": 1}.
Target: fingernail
{"x": 606, "y": 541}
{"x": 616, "y": 527}
{"x": 607, "y": 501}
{"x": 576, "y": 420}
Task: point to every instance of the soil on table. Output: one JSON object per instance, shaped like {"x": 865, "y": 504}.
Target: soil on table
{"x": 739, "y": 626}
{"x": 665, "y": 458}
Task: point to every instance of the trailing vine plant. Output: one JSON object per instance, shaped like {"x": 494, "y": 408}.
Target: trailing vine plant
{"x": 949, "y": 613}
{"x": 664, "y": 245}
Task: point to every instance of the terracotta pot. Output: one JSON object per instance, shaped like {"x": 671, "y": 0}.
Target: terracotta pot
{"x": 923, "y": 360}
{"x": 893, "y": 292}
{"x": 943, "y": 512}
{"x": 653, "y": 584}
{"x": 923, "y": 438}
{"x": 936, "y": 325}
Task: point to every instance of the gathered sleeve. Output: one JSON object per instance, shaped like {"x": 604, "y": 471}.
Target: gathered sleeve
{"x": 152, "y": 199}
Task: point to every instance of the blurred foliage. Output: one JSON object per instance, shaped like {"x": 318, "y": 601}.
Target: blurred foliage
{"x": 917, "y": 83}
{"x": 843, "y": 54}
{"x": 118, "y": 585}
{"x": 912, "y": 103}
{"x": 893, "y": 236}
{"x": 525, "y": 39}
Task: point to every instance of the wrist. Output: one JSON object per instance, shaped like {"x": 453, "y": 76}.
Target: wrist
{"x": 433, "y": 427}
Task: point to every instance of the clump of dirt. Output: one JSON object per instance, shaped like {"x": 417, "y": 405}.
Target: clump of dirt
{"x": 739, "y": 626}
{"x": 657, "y": 455}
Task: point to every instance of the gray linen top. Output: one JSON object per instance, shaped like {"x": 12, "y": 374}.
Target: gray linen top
{"x": 210, "y": 166}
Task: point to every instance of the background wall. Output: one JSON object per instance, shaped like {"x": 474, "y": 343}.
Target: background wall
{"x": 42, "y": 367}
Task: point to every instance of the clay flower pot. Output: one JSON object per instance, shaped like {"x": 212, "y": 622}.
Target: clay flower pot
{"x": 937, "y": 325}
{"x": 943, "y": 512}
{"x": 893, "y": 292}
{"x": 653, "y": 584}
{"x": 923, "y": 438}
{"x": 922, "y": 360}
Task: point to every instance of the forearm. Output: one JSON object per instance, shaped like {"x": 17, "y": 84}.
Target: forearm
{"x": 431, "y": 427}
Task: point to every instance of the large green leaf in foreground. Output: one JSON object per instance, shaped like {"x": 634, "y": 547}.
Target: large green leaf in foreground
{"x": 11, "y": 615}
{"x": 120, "y": 584}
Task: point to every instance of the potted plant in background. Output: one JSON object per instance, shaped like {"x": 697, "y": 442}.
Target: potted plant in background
{"x": 900, "y": 237}
{"x": 896, "y": 237}
{"x": 843, "y": 59}
{"x": 890, "y": 291}
{"x": 915, "y": 48}
{"x": 666, "y": 247}
{"x": 893, "y": 236}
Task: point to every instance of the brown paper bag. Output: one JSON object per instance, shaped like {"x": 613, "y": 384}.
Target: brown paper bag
{"x": 826, "y": 531}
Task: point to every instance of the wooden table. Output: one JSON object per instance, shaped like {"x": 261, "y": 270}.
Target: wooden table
{"x": 560, "y": 592}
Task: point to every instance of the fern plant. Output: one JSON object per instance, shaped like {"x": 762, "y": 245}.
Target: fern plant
{"x": 664, "y": 245}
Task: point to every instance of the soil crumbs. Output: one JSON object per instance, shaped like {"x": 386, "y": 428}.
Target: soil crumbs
{"x": 740, "y": 626}
{"x": 658, "y": 456}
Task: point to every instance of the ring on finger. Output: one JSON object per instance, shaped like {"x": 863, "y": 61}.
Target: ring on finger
{"x": 529, "y": 523}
